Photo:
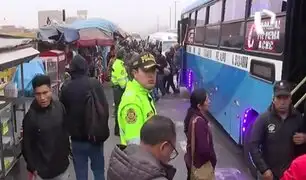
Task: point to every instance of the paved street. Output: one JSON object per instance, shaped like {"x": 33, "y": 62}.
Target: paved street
{"x": 229, "y": 156}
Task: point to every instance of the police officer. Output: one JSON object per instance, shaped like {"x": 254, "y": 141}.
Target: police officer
{"x": 137, "y": 105}
{"x": 276, "y": 135}
{"x": 119, "y": 78}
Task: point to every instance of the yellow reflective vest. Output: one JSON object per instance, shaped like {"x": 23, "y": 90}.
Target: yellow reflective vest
{"x": 119, "y": 75}
{"x": 135, "y": 108}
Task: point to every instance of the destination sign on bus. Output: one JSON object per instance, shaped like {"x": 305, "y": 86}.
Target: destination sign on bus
{"x": 271, "y": 41}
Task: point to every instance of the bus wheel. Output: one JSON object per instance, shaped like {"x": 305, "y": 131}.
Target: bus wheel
{"x": 247, "y": 146}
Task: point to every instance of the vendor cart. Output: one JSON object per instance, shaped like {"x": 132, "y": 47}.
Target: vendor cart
{"x": 54, "y": 62}
{"x": 13, "y": 52}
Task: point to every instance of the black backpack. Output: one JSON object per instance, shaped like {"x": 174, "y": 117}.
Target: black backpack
{"x": 96, "y": 113}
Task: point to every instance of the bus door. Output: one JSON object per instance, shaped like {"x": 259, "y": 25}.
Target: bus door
{"x": 294, "y": 65}
{"x": 182, "y": 34}
{"x": 182, "y": 29}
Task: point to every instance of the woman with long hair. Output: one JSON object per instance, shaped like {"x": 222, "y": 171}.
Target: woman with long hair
{"x": 201, "y": 154}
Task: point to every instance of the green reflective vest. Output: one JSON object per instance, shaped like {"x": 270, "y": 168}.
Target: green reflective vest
{"x": 135, "y": 108}
{"x": 119, "y": 75}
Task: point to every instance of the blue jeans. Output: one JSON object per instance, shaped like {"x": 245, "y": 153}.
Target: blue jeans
{"x": 81, "y": 152}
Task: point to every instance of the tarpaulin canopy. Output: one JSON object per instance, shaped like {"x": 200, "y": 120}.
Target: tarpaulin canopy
{"x": 99, "y": 23}
{"x": 58, "y": 34}
{"x": 93, "y": 37}
{"x": 30, "y": 70}
{"x": 102, "y": 24}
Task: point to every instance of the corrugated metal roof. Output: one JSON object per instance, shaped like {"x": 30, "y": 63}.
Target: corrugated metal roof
{"x": 194, "y": 5}
{"x": 13, "y": 42}
{"x": 15, "y": 57}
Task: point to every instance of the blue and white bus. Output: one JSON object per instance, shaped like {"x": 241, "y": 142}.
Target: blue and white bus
{"x": 224, "y": 54}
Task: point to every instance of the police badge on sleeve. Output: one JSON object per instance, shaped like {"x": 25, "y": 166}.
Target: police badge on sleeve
{"x": 131, "y": 116}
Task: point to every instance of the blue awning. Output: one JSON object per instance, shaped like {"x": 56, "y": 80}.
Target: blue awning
{"x": 102, "y": 24}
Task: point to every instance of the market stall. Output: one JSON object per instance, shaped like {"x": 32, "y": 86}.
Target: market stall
{"x": 54, "y": 63}
{"x": 13, "y": 52}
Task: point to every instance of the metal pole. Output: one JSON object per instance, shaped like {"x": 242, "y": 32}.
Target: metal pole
{"x": 298, "y": 86}
{"x": 22, "y": 79}
{"x": 22, "y": 88}
{"x": 170, "y": 19}
{"x": 175, "y": 14}
{"x": 157, "y": 23}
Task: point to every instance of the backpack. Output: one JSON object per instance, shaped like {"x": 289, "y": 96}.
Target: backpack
{"x": 96, "y": 114}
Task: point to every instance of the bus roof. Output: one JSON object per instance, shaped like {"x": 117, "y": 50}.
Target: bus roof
{"x": 194, "y": 5}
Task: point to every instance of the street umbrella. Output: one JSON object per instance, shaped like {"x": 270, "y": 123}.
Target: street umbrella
{"x": 94, "y": 36}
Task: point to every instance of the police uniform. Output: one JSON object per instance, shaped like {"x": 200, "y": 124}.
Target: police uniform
{"x": 119, "y": 79}
{"x": 136, "y": 105}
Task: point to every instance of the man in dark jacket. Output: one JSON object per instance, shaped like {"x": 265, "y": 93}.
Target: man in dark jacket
{"x": 162, "y": 64}
{"x": 73, "y": 96}
{"x": 149, "y": 160}
{"x": 177, "y": 59}
{"x": 45, "y": 144}
{"x": 276, "y": 135}
{"x": 173, "y": 71}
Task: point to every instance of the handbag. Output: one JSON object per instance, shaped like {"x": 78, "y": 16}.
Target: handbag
{"x": 206, "y": 171}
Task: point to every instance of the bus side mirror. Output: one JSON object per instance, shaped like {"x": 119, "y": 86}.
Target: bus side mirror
{"x": 257, "y": 20}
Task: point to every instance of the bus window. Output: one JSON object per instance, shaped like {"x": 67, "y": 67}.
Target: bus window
{"x": 213, "y": 29}
{"x": 234, "y": 9}
{"x": 212, "y": 35}
{"x": 200, "y": 29}
{"x": 232, "y": 35}
{"x": 215, "y": 13}
{"x": 201, "y": 16}
{"x": 275, "y": 6}
{"x": 263, "y": 70}
{"x": 192, "y": 19}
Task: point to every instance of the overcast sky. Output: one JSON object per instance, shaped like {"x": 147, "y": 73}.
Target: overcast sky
{"x": 131, "y": 15}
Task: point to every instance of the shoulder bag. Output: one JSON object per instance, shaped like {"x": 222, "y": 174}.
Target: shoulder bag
{"x": 206, "y": 171}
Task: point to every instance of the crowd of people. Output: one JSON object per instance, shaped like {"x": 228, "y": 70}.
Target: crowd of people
{"x": 169, "y": 64}
{"x": 78, "y": 120}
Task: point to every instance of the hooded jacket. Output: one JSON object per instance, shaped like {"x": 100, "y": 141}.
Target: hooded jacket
{"x": 73, "y": 97}
{"x": 133, "y": 163}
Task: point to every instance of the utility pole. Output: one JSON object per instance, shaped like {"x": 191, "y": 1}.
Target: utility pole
{"x": 64, "y": 15}
{"x": 175, "y": 14}
{"x": 157, "y": 24}
{"x": 170, "y": 19}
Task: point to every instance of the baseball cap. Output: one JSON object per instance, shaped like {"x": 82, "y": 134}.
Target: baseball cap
{"x": 144, "y": 61}
{"x": 282, "y": 88}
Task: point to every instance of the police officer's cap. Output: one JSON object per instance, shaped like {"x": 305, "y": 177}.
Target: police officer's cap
{"x": 144, "y": 61}
{"x": 282, "y": 88}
